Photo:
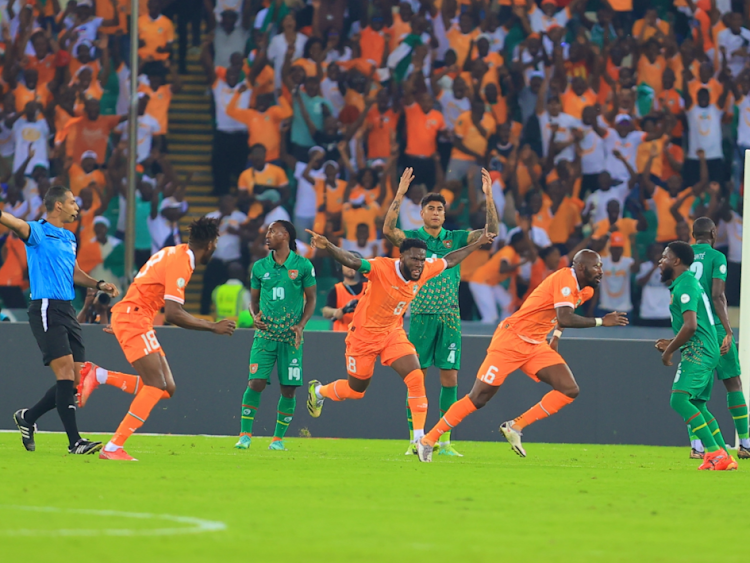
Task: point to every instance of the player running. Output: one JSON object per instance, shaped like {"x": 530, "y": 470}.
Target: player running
{"x": 435, "y": 323}
{"x": 377, "y": 326}
{"x": 695, "y": 337}
{"x": 710, "y": 268}
{"x": 282, "y": 300}
{"x": 520, "y": 342}
{"x": 160, "y": 284}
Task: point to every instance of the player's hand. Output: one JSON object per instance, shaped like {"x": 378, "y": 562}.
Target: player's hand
{"x": 406, "y": 179}
{"x": 615, "y": 319}
{"x": 258, "y": 321}
{"x": 726, "y": 344}
{"x": 662, "y": 344}
{"x": 318, "y": 241}
{"x": 554, "y": 342}
{"x": 109, "y": 289}
{"x": 224, "y": 328}
{"x": 338, "y": 314}
{"x": 486, "y": 237}
{"x": 108, "y": 329}
{"x": 666, "y": 359}
{"x": 297, "y": 329}
{"x": 243, "y": 88}
{"x": 486, "y": 183}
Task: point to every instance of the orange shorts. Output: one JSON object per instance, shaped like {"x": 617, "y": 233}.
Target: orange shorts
{"x": 508, "y": 352}
{"x": 136, "y": 335}
{"x": 362, "y": 349}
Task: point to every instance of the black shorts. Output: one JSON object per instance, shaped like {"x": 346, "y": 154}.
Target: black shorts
{"x": 55, "y": 326}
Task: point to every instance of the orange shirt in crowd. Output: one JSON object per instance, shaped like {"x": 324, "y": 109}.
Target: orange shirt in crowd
{"x": 351, "y": 217}
{"x": 398, "y": 30}
{"x": 46, "y": 68}
{"x": 473, "y": 261}
{"x": 75, "y": 65}
{"x": 651, "y": 73}
{"x": 14, "y": 268}
{"x": 23, "y": 96}
{"x": 573, "y": 104}
{"x": 650, "y": 31}
{"x": 263, "y": 127}
{"x": 372, "y": 45}
{"x": 380, "y": 127}
{"x": 666, "y": 231}
{"x": 331, "y": 197}
{"x": 562, "y": 224}
{"x": 80, "y": 179}
{"x": 626, "y": 226}
{"x": 154, "y": 33}
{"x": 713, "y": 86}
{"x": 644, "y": 152}
{"x": 621, "y": 5}
{"x": 106, "y": 11}
{"x": 271, "y": 176}
{"x": 158, "y": 105}
{"x": 83, "y": 135}
{"x": 489, "y": 273}
{"x": 677, "y": 66}
{"x": 677, "y": 153}
{"x": 461, "y": 43}
{"x": 470, "y": 135}
{"x": 422, "y": 130}
{"x": 672, "y": 100}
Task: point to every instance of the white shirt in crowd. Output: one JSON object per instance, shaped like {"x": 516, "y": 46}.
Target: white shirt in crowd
{"x": 596, "y": 202}
{"x": 165, "y": 232}
{"x": 655, "y": 296}
{"x": 36, "y": 133}
{"x": 540, "y": 22}
{"x": 227, "y": 43}
{"x": 743, "y": 122}
{"x": 565, "y": 124}
{"x": 452, "y": 108}
{"x": 223, "y": 94}
{"x": 593, "y": 159}
{"x": 306, "y": 204}
{"x": 123, "y": 93}
{"x": 733, "y": 43}
{"x": 7, "y": 140}
{"x": 331, "y": 92}
{"x": 704, "y": 131}
{"x": 410, "y": 216}
{"x": 371, "y": 249}
{"x": 147, "y": 128}
{"x": 627, "y": 147}
{"x": 277, "y": 51}
{"x": 228, "y": 248}
{"x": 276, "y": 214}
{"x": 733, "y": 232}
{"x": 614, "y": 290}
{"x": 87, "y": 32}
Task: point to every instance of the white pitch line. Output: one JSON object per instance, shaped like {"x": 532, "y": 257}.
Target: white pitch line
{"x": 197, "y": 525}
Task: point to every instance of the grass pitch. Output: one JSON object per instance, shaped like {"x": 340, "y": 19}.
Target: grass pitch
{"x": 193, "y": 498}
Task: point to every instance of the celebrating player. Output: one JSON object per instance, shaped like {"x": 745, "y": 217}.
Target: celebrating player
{"x": 53, "y": 270}
{"x": 377, "y": 326}
{"x": 160, "y": 283}
{"x": 710, "y": 268}
{"x": 520, "y": 342}
{"x": 282, "y": 300}
{"x": 435, "y": 323}
{"x": 695, "y": 337}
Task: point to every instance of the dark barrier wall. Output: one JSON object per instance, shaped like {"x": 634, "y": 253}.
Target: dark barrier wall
{"x": 624, "y": 391}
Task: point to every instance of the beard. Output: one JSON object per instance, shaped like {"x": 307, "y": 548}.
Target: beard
{"x": 666, "y": 274}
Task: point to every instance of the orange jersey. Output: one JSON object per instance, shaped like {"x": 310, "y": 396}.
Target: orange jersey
{"x": 388, "y": 294}
{"x": 164, "y": 276}
{"x": 537, "y": 316}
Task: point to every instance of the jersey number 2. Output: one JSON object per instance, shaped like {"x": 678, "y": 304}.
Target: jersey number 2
{"x": 155, "y": 259}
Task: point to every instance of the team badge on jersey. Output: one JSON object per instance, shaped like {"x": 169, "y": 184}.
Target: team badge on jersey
{"x": 293, "y": 274}
{"x": 253, "y": 368}
{"x": 447, "y": 243}
{"x": 415, "y": 288}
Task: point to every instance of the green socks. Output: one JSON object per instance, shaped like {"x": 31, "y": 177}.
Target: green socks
{"x": 692, "y": 416}
{"x": 713, "y": 426}
{"x": 448, "y": 396}
{"x": 250, "y": 404}
{"x": 738, "y": 410}
{"x": 284, "y": 415}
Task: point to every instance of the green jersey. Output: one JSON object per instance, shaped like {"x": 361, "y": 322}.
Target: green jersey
{"x": 282, "y": 294}
{"x": 688, "y": 295}
{"x": 709, "y": 264}
{"x": 439, "y": 295}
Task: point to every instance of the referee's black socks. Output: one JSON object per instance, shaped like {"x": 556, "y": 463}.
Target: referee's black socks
{"x": 46, "y": 404}
{"x": 65, "y": 400}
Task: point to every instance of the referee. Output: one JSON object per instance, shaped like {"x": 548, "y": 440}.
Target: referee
{"x": 53, "y": 269}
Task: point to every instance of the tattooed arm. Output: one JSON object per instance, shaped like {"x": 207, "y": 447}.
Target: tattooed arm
{"x": 493, "y": 221}
{"x": 395, "y": 235}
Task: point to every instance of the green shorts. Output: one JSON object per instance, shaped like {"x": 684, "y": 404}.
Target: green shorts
{"x": 265, "y": 353}
{"x": 729, "y": 363}
{"x": 437, "y": 339}
{"x": 696, "y": 380}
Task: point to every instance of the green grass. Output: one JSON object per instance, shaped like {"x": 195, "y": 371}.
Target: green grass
{"x": 363, "y": 500}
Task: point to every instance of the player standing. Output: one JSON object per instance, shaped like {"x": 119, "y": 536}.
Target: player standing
{"x": 282, "y": 300}
{"x": 160, "y": 284}
{"x": 53, "y": 270}
{"x": 520, "y": 342}
{"x": 435, "y": 323}
{"x": 695, "y": 337}
{"x": 377, "y": 326}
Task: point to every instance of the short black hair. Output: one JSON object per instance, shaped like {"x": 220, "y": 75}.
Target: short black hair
{"x": 683, "y": 251}
{"x": 291, "y": 231}
{"x": 309, "y": 44}
{"x": 429, "y": 198}
{"x": 203, "y": 231}
{"x": 410, "y": 243}
{"x": 702, "y": 227}
{"x": 257, "y": 146}
{"x": 516, "y": 238}
{"x": 375, "y": 175}
{"x": 154, "y": 68}
{"x": 53, "y": 195}
{"x": 547, "y": 250}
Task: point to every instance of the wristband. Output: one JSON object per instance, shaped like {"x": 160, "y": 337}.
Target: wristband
{"x": 100, "y": 282}
{"x": 599, "y": 321}
{"x": 557, "y": 333}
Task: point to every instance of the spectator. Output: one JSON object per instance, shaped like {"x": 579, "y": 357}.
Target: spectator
{"x": 231, "y": 298}
{"x": 380, "y": 126}
{"x": 96, "y": 308}
{"x": 228, "y": 249}
{"x": 30, "y": 134}
{"x": 231, "y": 35}
{"x": 733, "y": 43}
{"x": 164, "y": 219}
{"x": 316, "y": 109}
{"x": 330, "y": 191}
{"x": 731, "y": 224}
{"x": 627, "y": 228}
{"x": 148, "y": 127}
{"x": 88, "y": 133}
{"x": 704, "y": 133}
{"x": 363, "y": 242}
{"x": 597, "y": 204}
{"x": 593, "y": 152}
{"x": 410, "y": 215}
{"x": 159, "y": 93}
{"x": 155, "y": 34}
{"x": 289, "y": 40}
{"x": 111, "y": 253}
{"x": 272, "y": 209}
{"x": 654, "y": 310}
{"x": 14, "y": 271}
{"x": 613, "y": 293}
{"x": 470, "y": 142}
{"x": 556, "y": 127}
{"x": 260, "y": 177}
{"x": 343, "y": 298}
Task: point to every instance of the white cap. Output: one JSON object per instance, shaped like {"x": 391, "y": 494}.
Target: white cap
{"x": 102, "y": 221}
{"x": 88, "y": 154}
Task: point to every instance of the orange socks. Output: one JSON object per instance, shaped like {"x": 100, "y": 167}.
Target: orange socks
{"x": 458, "y": 411}
{"x": 124, "y": 381}
{"x": 140, "y": 408}
{"x": 339, "y": 390}
{"x": 549, "y": 405}
{"x": 417, "y": 398}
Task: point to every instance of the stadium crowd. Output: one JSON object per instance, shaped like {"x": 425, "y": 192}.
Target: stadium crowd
{"x": 605, "y": 124}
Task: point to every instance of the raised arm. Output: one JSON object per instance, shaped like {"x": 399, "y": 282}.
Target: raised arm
{"x": 395, "y": 235}
{"x": 566, "y": 318}
{"x": 340, "y": 255}
{"x": 18, "y": 226}
{"x": 457, "y": 256}
{"x": 492, "y": 223}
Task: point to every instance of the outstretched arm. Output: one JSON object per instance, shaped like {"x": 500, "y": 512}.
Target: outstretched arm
{"x": 395, "y": 235}
{"x": 176, "y": 315}
{"x": 457, "y": 256}
{"x": 340, "y": 255}
{"x": 18, "y": 226}
{"x": 492, "y": 223}
{"x": 566, "y": 318}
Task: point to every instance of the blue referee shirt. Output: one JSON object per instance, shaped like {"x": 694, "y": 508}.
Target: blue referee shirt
{"x": 51, "y": 254}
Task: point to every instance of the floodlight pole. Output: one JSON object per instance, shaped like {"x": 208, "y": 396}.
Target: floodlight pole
{"x": 744, "y": 339}
{"x": 132, "y": 145}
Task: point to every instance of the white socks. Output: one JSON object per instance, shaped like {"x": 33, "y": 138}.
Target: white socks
{"x": 745, "y": 442}
{"x": 418, "y": 435}
{"x": 101, "y": 376}
{"x": 110, "y": 447}
{"x": 697, "y": 445}
{"x": 317, "y": 393}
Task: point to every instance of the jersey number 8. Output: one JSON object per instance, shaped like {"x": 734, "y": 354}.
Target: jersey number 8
{"x": 399, "y": 308}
